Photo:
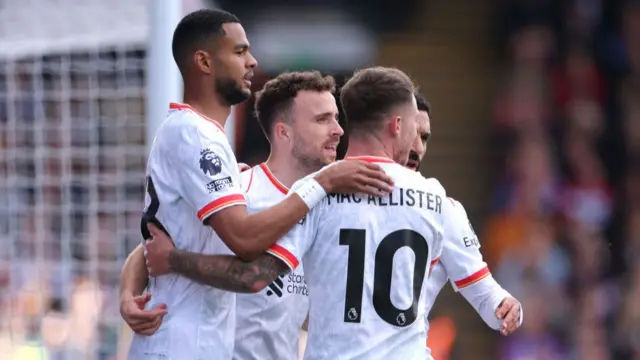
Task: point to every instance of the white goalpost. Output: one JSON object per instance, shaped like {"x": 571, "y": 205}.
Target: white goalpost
{"x": 164, "y": 84}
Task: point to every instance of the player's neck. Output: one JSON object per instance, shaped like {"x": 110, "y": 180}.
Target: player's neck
{"x": 368, "y": 146}
{"x": 285, "y": 170}
{"x": 208, "y": 105}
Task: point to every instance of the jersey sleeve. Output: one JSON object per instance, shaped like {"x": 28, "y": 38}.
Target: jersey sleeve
{"x": 206, "y": 170}
{"x": 461, "y": 255}
{"x": 467, "y": 271}
{"x": 292, "y": 247}
{"x": 447, "y": 209}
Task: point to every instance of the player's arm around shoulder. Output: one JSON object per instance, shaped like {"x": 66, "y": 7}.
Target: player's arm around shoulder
{"x": 221, "y": 271}
{"x": 226, "y": 272}
{"x": 470, "y": 275}
{"x": 249, "y": 235}
{"x": 292, "y": 247}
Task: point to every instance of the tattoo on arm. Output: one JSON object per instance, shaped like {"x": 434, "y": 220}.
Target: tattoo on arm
{"x": 227, "y": 272}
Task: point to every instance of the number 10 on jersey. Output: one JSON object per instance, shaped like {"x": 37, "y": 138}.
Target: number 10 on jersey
{"x": 356, "y": 240}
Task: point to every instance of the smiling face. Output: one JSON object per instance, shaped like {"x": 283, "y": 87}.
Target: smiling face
{"x": 298, "y": 113}
{"x": 315, "y": 129}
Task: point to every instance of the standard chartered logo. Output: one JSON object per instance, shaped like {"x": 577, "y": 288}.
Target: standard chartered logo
{"x": 291, "y": 283}
{"x": 296, "y": 284}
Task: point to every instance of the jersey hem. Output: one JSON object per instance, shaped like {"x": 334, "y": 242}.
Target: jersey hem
{"x": 285, "y": 255}
{"x": 219, "y": 204}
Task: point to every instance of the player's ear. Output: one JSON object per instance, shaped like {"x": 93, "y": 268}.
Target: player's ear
{"x": 282, "y": 131}
{"x": 394, "y": 125}
{"x": 203, "y": 61}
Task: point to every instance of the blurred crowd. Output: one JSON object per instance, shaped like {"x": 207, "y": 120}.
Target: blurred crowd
{"x": 564, "y": 232}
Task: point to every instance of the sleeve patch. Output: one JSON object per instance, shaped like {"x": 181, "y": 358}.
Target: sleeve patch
{"x": 219, "y": 184}
{"x": 210, "y": 163}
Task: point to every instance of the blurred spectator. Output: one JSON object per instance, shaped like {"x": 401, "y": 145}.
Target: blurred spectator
{"x": 628, "y": 331}
{"x": 578, "y": 79}
{"x": 55, "y": 329}
{"x": 586, "y": 196}
{"x": 442, "y": 336}
{"x": 538, "y": 258}
{"x": 536, "y": 339}
{"x": 528, "y": 189}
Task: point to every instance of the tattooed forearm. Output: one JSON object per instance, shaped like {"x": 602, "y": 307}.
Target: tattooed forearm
{"x": 227, "y": 272}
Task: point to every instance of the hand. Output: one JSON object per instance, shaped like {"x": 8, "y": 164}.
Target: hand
{"x": 243, "y": 167}
{"x": 355, "y": 176}
{"x": 157, "y": 250}
{"x": 509, "y": 312}
{"x": 141, "y": 321}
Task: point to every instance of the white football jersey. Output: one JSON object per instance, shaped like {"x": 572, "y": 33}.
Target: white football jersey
{"x": 461, "y": 261}
{"x": 366, "y": 260}
{"x": 192, "y": 173}
{"x": 268, "y": 323}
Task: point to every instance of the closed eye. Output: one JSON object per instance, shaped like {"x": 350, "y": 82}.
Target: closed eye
{"x": 241, "y": 49}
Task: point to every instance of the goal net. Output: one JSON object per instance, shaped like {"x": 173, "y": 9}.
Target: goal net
{"x": 72, "y": 160}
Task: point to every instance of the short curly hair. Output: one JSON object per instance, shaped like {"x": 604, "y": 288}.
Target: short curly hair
{"x": 277, "y": 95}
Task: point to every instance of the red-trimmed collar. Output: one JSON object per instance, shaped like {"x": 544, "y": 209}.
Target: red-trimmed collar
{"x": 283, "y": 189}
{"x": 371, "y": 159}
{"x": 177, "y": 106}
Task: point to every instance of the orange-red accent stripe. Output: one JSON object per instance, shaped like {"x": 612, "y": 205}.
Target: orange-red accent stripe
{"x": 283, "y": 189}
{"x": 210, "y": 208}
{"x": 452, "y": 201}
{"x": 284, "y": 254}
{"x": 250, "y": 180}
{"x": 177, "y": 106}
{"x": 473, "y": 278}
{"x": 435, "y": 261}
{"x": 371, "y": 159}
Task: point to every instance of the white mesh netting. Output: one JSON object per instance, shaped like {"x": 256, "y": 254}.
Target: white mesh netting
{"x": 72, "y": 157}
